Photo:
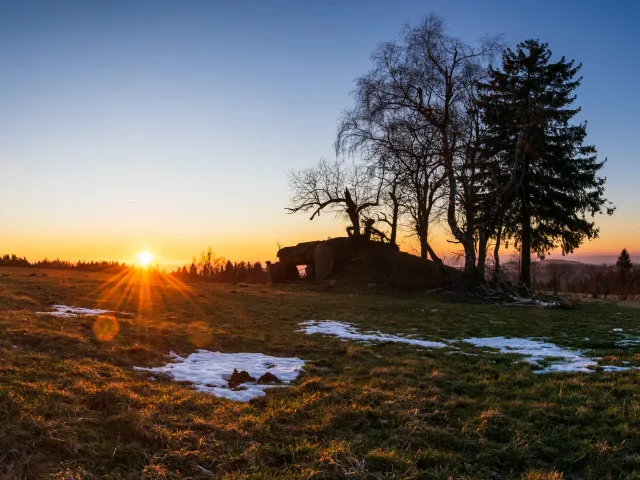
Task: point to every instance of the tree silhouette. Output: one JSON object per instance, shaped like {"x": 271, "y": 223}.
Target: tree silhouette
{"x": 624, "y": 268}
{"x": 336, "y": 187}
{"x": 528, "y": 107}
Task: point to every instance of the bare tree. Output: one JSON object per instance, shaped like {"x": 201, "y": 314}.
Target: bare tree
{"x": 405, "y": 148}
{"x": 391, "y": 204}
{"x": 347, "y": 190}
{"x": 558, "y": 271}
{"x": 431, "y": 74}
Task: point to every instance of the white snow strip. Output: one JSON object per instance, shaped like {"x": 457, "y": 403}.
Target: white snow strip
{"x": 533, "y": 301}
{"x": 346, "y": 331}
{"x": 614, "y": 368}
{"x": 66, "y": 311}
{"x": 627, "y": 340}
{"x": 535, "y": 351}
{"x": 210, "y": 371}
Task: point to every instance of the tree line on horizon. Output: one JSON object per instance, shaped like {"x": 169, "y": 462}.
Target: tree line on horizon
{"x": 211, "y": 268}
{"x": 438, "y": 134}
{"x": 15, "y": 261}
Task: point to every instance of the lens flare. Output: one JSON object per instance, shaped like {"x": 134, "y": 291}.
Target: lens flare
{"x": 105, "y": 328}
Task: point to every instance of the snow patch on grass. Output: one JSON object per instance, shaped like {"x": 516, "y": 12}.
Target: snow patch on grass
{"x": 209, "y": 372}
{"x": 614, "y": 368}
{"x": 346, "y": 331}
{"x": 66, "y": 311}
{"x": 533, "y": 301}
{"x": 627, "y": 340}
{"x": 537, "y": 352}
{"x": 545, "y": 355}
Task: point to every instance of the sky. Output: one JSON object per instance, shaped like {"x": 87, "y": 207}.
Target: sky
{"x": 171, "y": 126}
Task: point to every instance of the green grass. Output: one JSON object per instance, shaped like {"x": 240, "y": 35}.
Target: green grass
{"x": 72, "y": 407}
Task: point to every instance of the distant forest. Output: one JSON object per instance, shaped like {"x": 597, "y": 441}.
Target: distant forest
{"x": 208, "y": 269}
{"x": 219, "y": 270}
{"x": 14, "y": 261}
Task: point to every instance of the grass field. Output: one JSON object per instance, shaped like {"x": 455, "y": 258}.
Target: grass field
{"x": 73, "y": 407}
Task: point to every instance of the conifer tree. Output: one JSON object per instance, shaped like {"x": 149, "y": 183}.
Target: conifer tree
{"x": 528, "y": 106}
{"x": 624, "y": 262}
{"x": 624, "y": 266}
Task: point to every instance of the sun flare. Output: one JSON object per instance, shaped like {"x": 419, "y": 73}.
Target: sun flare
{"x": 145, "y": 258}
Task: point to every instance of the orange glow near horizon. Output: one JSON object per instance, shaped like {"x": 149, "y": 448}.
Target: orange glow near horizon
{"x": 171, "y": 251}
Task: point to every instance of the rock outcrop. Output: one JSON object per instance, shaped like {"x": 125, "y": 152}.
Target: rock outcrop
{"x": 352, "y": 261}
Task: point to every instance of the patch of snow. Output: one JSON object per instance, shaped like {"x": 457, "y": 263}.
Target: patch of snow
{"x": 66, "y": 311}
{"x": 627, "y": 339}
{"x": 614, "y": 368}
{"x": 467, "y": 354}
{"x": 532, "y": 301}
{"x": 210, "y": 371}
{"x": 536, "y": 351}
{"x": 346, "y": 331}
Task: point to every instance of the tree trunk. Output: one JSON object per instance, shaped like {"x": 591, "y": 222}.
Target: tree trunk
{"x": 433, "y": 255}
{"x": 496, "y": 255}
{"x": 525, "y": 221}
{"x": 482, "y": 256}
{"x": 470, "y": 264}
{"x": 424, "y": 251}
{"x": 395, "y": 215}
{"x": 352, "y": 211}
{"x": 462, "y": 237}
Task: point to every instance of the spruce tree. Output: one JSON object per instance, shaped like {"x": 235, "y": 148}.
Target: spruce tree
{"x": 528, "y": 106}
{"x": 624, "y": 261}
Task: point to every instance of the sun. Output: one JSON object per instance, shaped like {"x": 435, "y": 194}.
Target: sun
{"x": 145, "y": 258}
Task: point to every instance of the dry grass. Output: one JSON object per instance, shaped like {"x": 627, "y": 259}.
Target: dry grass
{"x": 72, "y": 407}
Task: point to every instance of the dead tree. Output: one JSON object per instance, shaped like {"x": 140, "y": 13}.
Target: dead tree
{"x": 346, "y": 190}
{"x": 406, "y": 150}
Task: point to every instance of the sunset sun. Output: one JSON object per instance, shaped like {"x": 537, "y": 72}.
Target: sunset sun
{"x": 145, "y": 258}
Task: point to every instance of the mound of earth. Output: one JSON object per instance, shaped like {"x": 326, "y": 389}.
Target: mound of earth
{"x": 239, "y": 377}
{"x": 364, "y": 263}
{"x": 382, "y": 264}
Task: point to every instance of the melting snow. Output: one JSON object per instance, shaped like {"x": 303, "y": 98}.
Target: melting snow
{"x": 533, "y": 301}
{"x": 628, "y": 339}
{"x": 536, "y": 351}
{"x": 614, "y": 368}
{"x": 347, "y": 331}
{"x": 548, "y": 356}
{"x": 210, "y": 371}
{"x": 558, "y": 359}
{"x": 65, "y": 311}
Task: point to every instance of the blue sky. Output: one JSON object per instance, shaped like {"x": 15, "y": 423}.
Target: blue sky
{"x": 171, "y": 125}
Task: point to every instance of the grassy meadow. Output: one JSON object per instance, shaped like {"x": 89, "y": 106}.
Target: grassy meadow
{"x": 72, "y": 406}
